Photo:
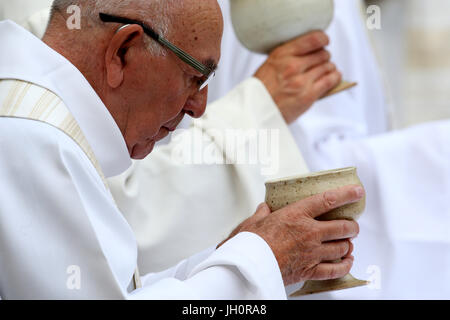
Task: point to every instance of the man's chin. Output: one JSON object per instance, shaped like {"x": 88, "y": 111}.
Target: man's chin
{"x": 140, "y": 152}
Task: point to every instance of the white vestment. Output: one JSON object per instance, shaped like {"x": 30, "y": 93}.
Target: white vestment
{"x": 19, "y": 11}
{"x": 334, "y": 133}
{"x": 402, "y": 261}
{"x": 356, "y": 113}
{"x": 350, "y": 114}
{"x": 62, "y": 237}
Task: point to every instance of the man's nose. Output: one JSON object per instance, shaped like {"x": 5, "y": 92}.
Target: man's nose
{"x": 196, "y": 104}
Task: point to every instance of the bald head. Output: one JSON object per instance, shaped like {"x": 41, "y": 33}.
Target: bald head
{"x": 155, "y": 10}
{"x": 164, "y": 16}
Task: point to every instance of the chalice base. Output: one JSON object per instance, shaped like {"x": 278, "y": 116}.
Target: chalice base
{"x": 318, "y": 286}
{"x": 344, "y": 85}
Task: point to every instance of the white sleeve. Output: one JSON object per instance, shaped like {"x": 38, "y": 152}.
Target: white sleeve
{"x": 242, "y": 268}
{"x": 203, "y": 202}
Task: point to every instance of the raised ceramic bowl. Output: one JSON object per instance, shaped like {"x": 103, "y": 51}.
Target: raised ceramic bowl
{"x": 262, "y": 25}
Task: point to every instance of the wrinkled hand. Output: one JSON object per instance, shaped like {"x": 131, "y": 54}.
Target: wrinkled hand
{"x": 298, "y": 73}
{"x": 302, "y": 245}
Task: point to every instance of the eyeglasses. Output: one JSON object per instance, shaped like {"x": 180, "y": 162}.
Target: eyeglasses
{"x": 207, "y": 72}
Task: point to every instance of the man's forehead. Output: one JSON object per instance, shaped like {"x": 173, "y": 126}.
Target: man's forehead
{"x": 197, "y": 29}
{"x": 202, "y": 43}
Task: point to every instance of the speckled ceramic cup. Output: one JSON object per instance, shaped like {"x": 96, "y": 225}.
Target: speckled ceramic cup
{"x": 280, "y": 193}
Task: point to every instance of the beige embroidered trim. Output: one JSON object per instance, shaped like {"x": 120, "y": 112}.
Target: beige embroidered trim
{"x": 29, "y": 101}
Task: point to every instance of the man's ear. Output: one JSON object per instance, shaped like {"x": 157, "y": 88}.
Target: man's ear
{"x": 115, "y": 58}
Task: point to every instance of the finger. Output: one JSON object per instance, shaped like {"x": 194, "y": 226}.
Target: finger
{"x": 335, "y": 270}
{"x": 334, "y": 250}
{"x": 262, "y": 211}
{"x": 324, "y": 202}
{"x": 327, "y": 82}
{"x": 350, "y": 250}
{"x": 314, "y": 59}
{"x": 338, "y": 230}
{"x": 319, "y": 71}
{"x": 304, "y": 44}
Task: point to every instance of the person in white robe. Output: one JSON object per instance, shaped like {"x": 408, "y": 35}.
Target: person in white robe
{"x": 247, "y": 107}
{"x": 175, "y": 236}
{"x": 358, "y": 112}
{"x": 66, "y": 126}
{"x": 330, "y": 135}
{"x": 403, "y": 172}
{"x": 343, "y": 130}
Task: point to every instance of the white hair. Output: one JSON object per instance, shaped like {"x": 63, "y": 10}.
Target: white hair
{"x": 154, "y": 12}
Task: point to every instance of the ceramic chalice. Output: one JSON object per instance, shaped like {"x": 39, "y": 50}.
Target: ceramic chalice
{"x": 283, "y": 192}
{"x": 262, "y": 25}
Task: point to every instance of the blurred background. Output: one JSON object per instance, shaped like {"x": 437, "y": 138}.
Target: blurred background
{"x": 412, "y": 47}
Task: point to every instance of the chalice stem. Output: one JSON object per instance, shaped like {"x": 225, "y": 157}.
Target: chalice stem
{"x": 344, "y": 85}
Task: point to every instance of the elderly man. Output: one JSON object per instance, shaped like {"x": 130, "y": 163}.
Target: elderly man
{"x": 69, "y": 118}
{"x": 248, "y": 107}
{"x": 338, "y": 132}
{"x": 332, "y": 134}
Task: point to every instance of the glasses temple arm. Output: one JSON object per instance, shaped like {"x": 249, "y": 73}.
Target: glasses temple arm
{"x": 185, "y": 57}
{"x": 180, "y": 53}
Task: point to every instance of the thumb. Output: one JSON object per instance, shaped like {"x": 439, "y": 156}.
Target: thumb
{"x": 262, "y": 211}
